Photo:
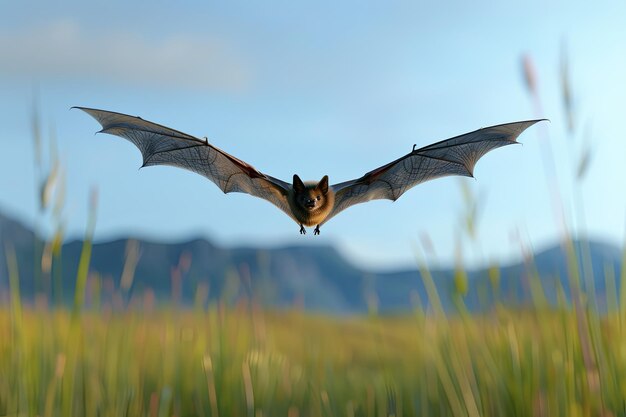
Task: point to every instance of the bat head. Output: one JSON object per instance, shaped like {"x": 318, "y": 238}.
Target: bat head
{"x": 310, "y": 196}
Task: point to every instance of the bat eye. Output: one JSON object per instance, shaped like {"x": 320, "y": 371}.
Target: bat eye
{"x": 318, "y": 198}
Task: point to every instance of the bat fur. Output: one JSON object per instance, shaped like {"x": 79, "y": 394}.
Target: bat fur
{"x": 308, "y": 203}
{"x": 311, "y": 202}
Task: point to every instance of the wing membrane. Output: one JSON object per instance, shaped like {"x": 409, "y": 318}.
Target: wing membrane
{"x": 454, "y": 156}
{"x": 160, "y": 145}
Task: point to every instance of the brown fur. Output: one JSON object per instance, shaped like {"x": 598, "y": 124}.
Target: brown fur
{"x": 318, "y": 195}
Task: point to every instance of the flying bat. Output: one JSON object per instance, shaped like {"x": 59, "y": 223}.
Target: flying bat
{"x": 308, "y": 203}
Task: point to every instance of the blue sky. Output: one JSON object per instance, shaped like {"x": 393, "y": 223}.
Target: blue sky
{"x": 316, "y": 89}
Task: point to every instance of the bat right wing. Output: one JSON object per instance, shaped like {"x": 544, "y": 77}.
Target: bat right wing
{"x": 455, "y": 156}
{"x": 160, "y": 145}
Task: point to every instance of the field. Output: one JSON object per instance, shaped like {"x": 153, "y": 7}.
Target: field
{"x": 245, "y": 361}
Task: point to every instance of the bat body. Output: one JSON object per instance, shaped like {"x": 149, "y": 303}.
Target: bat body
{"x": 311, "y": 203}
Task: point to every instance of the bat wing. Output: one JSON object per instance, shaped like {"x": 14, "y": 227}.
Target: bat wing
{"x": 160, "y": 145}
{"x": 455, "y": 156}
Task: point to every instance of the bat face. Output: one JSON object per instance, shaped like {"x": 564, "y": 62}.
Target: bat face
{"x": 311, "y": 202}
{"x": 310, "y": 197}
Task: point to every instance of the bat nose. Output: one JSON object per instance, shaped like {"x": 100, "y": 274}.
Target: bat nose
{"x": 310, "y": 203}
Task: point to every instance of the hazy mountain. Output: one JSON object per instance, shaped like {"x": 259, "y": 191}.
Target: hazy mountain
{"x": 317, "y": 278}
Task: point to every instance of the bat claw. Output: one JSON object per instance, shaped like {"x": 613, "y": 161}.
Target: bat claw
{"x": 317, "y": 230}
{"x": 302, "y": 230}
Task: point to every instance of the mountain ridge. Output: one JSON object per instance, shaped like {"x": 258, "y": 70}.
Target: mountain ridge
{"x": 316, "y": 278}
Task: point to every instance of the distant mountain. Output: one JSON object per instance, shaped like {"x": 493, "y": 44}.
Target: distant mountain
{"x": 316, "y": 278}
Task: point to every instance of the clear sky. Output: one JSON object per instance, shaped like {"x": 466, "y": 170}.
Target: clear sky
{"x": 328, "y": 87}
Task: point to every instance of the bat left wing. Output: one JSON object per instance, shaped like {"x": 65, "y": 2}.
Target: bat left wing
{"x": 455, "y": 156}
{"x": 160, "y": 145}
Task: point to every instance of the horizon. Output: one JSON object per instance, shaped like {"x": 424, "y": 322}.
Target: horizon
{"x": 513, "y": 259}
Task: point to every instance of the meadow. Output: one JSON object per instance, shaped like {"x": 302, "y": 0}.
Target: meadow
{"x": 245, "y": 361}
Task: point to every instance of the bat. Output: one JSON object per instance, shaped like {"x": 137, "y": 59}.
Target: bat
{"x": 307, "y": 203}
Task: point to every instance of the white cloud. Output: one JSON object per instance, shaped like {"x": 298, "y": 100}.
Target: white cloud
{"x": 64, "y": 51}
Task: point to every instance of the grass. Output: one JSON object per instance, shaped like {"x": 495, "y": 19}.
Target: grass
{"x": 245, "y": 361}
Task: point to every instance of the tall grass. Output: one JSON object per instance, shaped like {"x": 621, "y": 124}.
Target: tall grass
{"x": 231, "y": 362}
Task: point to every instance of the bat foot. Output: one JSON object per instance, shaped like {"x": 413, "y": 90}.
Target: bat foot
{"x": 302, "y": 230}
{"x": 317, "y": 230}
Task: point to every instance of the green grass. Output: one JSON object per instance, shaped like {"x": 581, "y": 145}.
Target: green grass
{"x": 248, "y": 362}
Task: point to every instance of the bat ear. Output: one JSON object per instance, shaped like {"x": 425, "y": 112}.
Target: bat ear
{"x": 298, "y": 185}
{"x": 323, "y": 184}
